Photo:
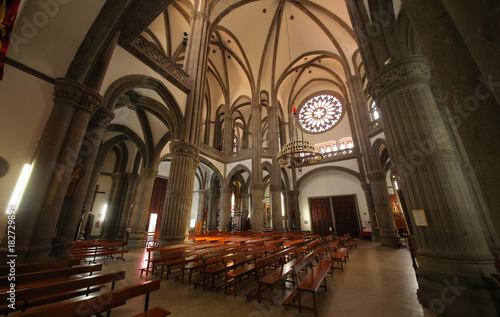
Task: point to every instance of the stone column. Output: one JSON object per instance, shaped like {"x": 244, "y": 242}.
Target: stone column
{"x": 275, "y": 182}
{"x": 71, "y": 213}
{"x": 202, "y": 200}
{"x": 276, "y": 212}
{"x": 228, "y": 134}
{"x": 179, "y": 196}
{"x": 128, "y": 204}
{"x": 53, "y": 163}
{"x": 213, "y": 204}
{"x": 382, "y": 204}
{"x": 115, "y": 205}
{"x": 452, "y": 253}
{"x": 140, "y": 212}
{"x": 245, "y": 208}
{"x": 257, "y": 217}
{"x": 257, "y": 188}
{"x": 225, "y": 209}
{"x": 473, "y": 101}
{"x": 371, "y": 205}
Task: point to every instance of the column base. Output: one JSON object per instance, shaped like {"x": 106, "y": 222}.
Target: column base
{"x": 376, "y": 234}
{"x": 450, "y": 287}
{"x": 171, "y": 240}
{"x": 136, "y": 243}
{"x": 61, "y": 249}
{"x": 388, "y": 239}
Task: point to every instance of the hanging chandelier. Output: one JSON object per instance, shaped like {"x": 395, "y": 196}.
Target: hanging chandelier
{"x": 298, "y": 152}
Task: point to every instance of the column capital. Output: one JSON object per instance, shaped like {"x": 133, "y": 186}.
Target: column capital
{"x": 376, "y": 177}
{"x": 72, "y": 92}
{"x": 275, "y": 188}
{"x": 366, "y": 187}
{"x": 200, "y": 15}
{"x": 181, "y": 148}
{"x": 407, "y": 70}
{"x": 148, "y": 172}
{"x": 257, "y": 186}
{"x": 225, "y": 191}
{"x": 103, "y": 117}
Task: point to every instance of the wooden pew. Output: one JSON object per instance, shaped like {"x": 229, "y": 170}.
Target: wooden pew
{"x": 38, "y": 266}
{"x": 96, "y": 304}
{"x": 240, "y": 265}
{"x": 94, "y": 249}
{"x": 47, "y": 276}
{"x": 59, "y": 290}
{"x": 297, "y": 242}
{"x": 340, "y": 256}
{"x": 310, "y": 283}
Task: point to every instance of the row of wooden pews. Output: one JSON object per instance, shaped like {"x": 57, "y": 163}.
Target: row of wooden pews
{"x": 92, "y": 250}
{"x": 66, "y": 288}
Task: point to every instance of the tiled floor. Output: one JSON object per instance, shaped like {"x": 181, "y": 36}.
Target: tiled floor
{"x": 378, "y": 281}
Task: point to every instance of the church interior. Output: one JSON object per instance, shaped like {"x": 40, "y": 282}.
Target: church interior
{"x": 157, "y": 123}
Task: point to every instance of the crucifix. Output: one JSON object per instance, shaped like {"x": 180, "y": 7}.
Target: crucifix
{"x": 96, "y": 191}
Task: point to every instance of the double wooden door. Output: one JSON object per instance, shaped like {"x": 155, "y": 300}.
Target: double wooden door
{"x": 345, "y": 212}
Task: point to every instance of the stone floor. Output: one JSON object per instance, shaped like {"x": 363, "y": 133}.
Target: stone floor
{"x": 378, "y": 281}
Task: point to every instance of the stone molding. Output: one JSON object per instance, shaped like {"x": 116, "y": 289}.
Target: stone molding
{"x": 178, "y": 194}
{"x": 276, "y": 188}
{"x": 103, "y": 117}
{"x": 148, "y": 173}
{"x": 4, "y": 167}
{"x": 151, "y": 52}
{"x": 81, "y": 96}
{"x": 225, "y": 191}
{"x": 184, "y": 148}
{"x": 200, "y": 15}
{"x": 376, "y": 177}
{"x": 257, "y": 186}
{"x": 405, "y": 70}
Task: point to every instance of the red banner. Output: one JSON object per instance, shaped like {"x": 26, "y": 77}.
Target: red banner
{"x": 8, "y": 13}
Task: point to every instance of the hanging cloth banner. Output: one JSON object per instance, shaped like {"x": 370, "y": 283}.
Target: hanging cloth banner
{"x": 8, "y": 13}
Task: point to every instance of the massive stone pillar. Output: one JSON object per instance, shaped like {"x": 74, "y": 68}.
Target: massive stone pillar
{"x": 276, "y": 211}
{"x": 453, "y": 256}
{"x": 257, "y": 217}
{"x": 179, "y": 196}
{"x": 383, "y": 209}
{"x": 465, "y": 66}
{"x": 295, "y": 211}
{"x": 53, "y": 164}
{"x": 257, "y": 187}
{"x": 371, "y": 211}
{"x": 115, "y": 205}
{"x": 202, "y": 201}
{"x": 372, "y": 165}
{"x": 275, "y": 182}
{"x": 213, "y": 205}
{"x": 140, "y": 212}
{"x": 71, "y": 218}
{"x": 225, "y": 209}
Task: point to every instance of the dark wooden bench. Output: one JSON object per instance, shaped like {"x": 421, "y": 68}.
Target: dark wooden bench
{"x": 340, "y": 256}
{"x": 240, "y": 265}
{"x": 93, "y": 249}
{"x": 37, "y": 266}
{"x": 310, "y": 283}
{"x": 46, "y": 293}
{"x": 97, "y": 304}
{"x": 47, "y": 276}
{"x": 213, "y": 265}
{"x": 281, "y": 269}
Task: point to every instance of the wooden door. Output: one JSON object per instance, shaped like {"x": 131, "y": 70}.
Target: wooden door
{"x": 321, "y": 215}
{"x": 346, "y": 215}
{"x": 157, "y": 200}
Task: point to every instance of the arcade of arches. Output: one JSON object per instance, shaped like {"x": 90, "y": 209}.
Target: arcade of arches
{"x": 167, "y": 116}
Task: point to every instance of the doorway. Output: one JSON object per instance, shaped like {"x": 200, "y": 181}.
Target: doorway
{"x": 346, "y": 215}
{"x": 321, "y": 216}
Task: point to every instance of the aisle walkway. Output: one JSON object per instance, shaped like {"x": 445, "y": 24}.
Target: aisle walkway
{"x": 378, "y": 281}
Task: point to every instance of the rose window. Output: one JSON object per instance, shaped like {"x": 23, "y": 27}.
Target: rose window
{"x": 320, "y": 114}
